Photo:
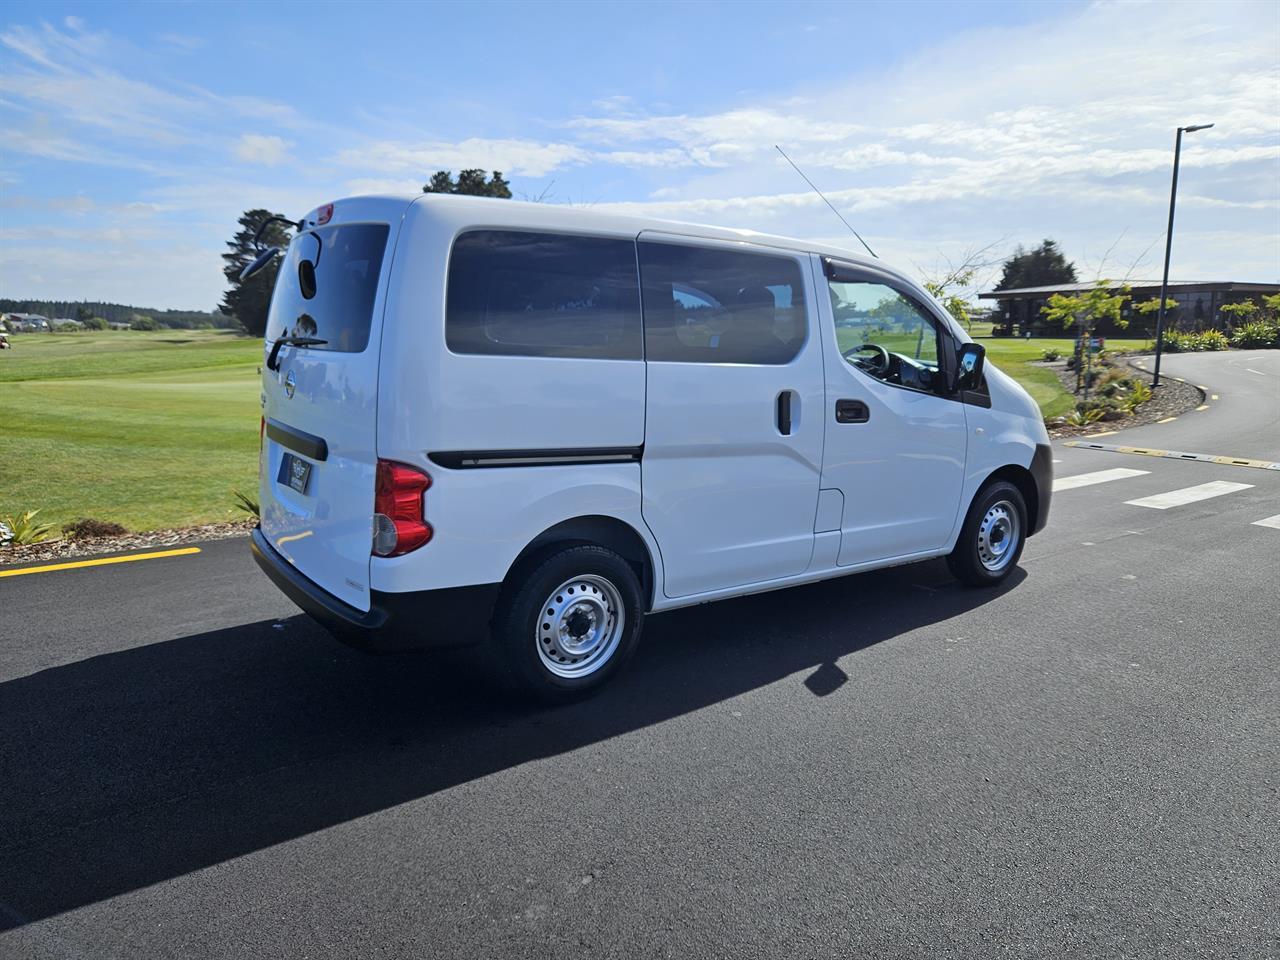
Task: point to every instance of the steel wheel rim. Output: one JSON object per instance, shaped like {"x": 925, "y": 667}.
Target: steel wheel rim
{"x": 579, "y": 626}
{"x": 998, "y": 536}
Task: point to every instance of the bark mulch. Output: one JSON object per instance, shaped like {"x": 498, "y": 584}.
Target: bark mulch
{"x": 155, "y": 540}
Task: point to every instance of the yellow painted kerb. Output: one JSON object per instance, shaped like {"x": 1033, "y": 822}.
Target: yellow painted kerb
{"x": 100, "y": 562}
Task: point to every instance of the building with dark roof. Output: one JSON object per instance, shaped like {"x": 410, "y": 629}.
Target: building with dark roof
{"x": 1198, "y": 306}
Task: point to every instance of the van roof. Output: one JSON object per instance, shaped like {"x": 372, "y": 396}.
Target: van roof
{"x": 560, "y": 216}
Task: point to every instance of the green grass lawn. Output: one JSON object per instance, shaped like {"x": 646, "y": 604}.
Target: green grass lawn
{"x": 157, "y": 429}
{"x": 1017, "y": 358}
{"x": 149, "y": 430}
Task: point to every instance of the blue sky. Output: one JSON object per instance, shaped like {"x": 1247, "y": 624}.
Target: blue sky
{"x": 136, "y": 135}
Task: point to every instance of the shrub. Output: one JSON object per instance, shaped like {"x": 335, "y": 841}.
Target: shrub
{"x": 1214, "y": 340}
{"x": 1138, "y": 394}
{"x": 21, "y": 529}
{"x": 1114, "y": 375}
{"x": 1051, "y": 355}
{"x": 1083, "y": 416}
{"x": 94, "y": 323}
{"x": 1175, "y": 342}
{"x": 246, "y": 503}
{"x": 88, "y": 527}
{"x": 1258, "y": 333}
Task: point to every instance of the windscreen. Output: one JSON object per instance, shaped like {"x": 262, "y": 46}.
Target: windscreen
{"x": 327, "y": 285}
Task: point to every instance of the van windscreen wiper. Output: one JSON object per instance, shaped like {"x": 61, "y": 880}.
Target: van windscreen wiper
{"x": 273, "y": 360}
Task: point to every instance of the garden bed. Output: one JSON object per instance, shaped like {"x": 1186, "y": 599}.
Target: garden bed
{"x": 155, "y": 540}
{"x": 1172, "y": 399}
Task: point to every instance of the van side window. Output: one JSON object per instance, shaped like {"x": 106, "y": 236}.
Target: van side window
{"x": 513, "y": 293}
{"x": 705, "y": 305}
{"x": 886, "y": 333}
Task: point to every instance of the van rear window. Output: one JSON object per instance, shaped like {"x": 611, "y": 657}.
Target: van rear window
{"x": 336, "y": 305}
{"x": 513, "y": 293}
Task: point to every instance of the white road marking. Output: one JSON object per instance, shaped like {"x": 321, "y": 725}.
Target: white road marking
{"x": 1273, "y": 522}
{"x": 1258, "y": 372}
{"x": 1089, "y": 479}
{"x": 1178, "y": 498}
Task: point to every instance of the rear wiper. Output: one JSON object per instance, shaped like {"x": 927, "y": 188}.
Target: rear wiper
{"x": 273, "y": 361}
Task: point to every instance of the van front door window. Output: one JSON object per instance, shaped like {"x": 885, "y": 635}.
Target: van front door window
{"x": 885, "y": 334}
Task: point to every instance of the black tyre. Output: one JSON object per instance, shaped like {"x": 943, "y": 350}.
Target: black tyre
{"x": 567, "y": 622}
{"x": 992, "y": 537}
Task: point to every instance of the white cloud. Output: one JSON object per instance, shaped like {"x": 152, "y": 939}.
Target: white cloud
{"x": 268, "y": 151}
{"x": 66, "y": 77}
{"x": 1061, "y": 128}
{"x": 512, "y": 156}
{"x": 389, "y": 185}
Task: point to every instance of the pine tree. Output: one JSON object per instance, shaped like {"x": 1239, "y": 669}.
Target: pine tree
{"x": 249, "y": 301}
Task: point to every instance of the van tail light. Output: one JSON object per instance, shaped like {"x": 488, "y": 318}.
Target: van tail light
{"x": 398, "y": 522}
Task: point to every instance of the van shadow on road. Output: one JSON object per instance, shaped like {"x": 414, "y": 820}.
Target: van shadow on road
{"x": 133, "y": 767}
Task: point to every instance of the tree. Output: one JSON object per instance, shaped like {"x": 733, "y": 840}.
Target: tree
{"x": 1241, "y": 312}
{"x": 1149, "y": 308}
{"x": 1085, "y": 311}
{"x": 949, "y": 279}
{"x": 1042, "y": 267}
{"x": 249, "y": 301}
{"x": 83, "y": 313}
{"x": 94, "y": 323}
{"x": 140, "y": 322}
{"x": 470, "y": 182}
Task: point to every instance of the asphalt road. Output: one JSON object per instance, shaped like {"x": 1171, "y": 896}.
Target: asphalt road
{"x": 1084, "y": 763}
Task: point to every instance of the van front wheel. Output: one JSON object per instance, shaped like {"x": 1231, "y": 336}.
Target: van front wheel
{"x": 566, "y": 624}
{"x": 992, "y": 537}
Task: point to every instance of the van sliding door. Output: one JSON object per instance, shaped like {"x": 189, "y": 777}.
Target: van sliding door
{"x": 733, "y": 429}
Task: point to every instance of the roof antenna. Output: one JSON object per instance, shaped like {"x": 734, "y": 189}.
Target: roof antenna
{"x": 826, "y": 201}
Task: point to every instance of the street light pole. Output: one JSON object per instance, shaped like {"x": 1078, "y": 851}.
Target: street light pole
{"x": 1168, "y": 244}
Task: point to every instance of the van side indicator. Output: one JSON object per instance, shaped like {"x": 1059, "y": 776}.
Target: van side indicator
{"x": 472, "y": 459}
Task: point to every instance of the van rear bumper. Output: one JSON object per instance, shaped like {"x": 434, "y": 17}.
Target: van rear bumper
{"x": 453, "y": 617}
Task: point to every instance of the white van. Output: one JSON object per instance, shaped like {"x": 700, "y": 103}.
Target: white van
{"x": 530, "y": 426}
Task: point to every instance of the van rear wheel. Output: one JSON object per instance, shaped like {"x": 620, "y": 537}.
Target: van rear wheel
{"x": 568, "y": 622}
{"x": 992, "y": 537}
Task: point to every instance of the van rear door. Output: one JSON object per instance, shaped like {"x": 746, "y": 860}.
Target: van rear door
{"x": 319, "y": 459}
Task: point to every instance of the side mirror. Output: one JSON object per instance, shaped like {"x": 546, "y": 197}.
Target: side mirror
{"x": 970, "y": 358}
{"x": 260, "y": 261}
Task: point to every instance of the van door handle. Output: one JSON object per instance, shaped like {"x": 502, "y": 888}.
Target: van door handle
{"x": 784, "y": 413}
{"x": 852, "y": 411}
